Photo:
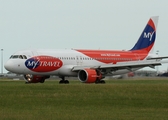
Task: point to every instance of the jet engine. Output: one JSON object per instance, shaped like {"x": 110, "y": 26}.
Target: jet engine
{"x": 89, "y": 75}
{"x": 35, "y": 78}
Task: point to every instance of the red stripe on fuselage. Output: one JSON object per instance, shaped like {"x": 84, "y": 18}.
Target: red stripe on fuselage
{"x": 110, "y": 56}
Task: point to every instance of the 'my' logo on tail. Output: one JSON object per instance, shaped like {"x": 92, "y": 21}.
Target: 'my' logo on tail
{"x": 149, "y": 35}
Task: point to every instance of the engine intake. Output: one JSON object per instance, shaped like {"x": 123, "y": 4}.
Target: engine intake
{"x": 89, "y": 75}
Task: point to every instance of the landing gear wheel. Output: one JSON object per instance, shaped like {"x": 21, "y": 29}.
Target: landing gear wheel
{"x": 66, "y": 82}
{"x": 97, "y": 82}
{"x": 100, "y": 82}
{"x": 42, "y": 81}
{"x": 63, "y": 82}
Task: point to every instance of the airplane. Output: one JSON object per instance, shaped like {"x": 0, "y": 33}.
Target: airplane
{"x": 90, "y": 66}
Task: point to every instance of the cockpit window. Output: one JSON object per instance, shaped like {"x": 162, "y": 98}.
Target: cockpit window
{"x": 15, "y": 56}
{"x": 11, "y": 56}
{"x": 18, "y": 57}
{"x": 24, "y": 57}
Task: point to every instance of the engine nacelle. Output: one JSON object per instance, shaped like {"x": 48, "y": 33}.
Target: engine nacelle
{"x": 35, "y": 78}
{"x": 89, "y": 75}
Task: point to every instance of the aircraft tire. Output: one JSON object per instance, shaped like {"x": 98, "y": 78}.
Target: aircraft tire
{"x": 102, "y": 81}
{"x": 66, "y": 82}
{"x": 42, "y": 81}
{"x": 61, "y": 82}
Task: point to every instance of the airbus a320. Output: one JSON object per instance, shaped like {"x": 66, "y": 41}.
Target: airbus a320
{"x": 90, "y": 66}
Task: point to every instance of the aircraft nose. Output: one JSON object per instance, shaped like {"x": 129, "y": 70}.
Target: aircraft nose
{"x": 8, "y": 65}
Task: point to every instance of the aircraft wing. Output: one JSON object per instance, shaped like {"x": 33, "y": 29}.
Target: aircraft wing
{"x": 123, "y": 65}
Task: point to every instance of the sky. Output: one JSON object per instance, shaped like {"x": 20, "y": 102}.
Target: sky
{"x": 84, "y": 24}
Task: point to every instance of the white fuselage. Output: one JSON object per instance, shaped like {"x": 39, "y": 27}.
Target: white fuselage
{"x": 68, "y": 59}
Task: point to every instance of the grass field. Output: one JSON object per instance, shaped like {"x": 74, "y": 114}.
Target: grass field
{"x": 117, "y": 100}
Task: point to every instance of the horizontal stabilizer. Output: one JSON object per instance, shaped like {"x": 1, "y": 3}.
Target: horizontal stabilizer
{"x": 156, "y": 58}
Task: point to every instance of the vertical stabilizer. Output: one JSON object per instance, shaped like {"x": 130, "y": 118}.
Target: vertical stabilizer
{"x": 148, "y": 36}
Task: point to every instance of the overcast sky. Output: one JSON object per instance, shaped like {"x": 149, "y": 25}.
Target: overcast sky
{"x": 86, "y": 24}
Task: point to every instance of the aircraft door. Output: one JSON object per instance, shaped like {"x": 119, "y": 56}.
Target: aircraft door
{"x": 137, "y": 57}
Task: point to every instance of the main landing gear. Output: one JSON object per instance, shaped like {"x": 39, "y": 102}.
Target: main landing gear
{"x": 63, "y": 81}
{"x": 100, "y": 82}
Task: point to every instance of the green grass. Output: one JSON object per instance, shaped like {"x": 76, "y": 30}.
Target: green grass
{"x": 117, "y": 99}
